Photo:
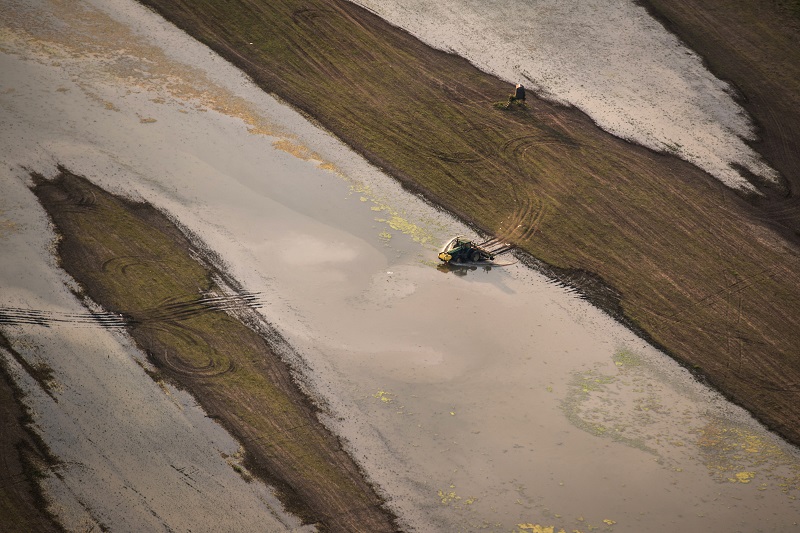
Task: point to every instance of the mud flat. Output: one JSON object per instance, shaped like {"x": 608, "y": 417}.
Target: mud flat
{"x": 692, "y": 264}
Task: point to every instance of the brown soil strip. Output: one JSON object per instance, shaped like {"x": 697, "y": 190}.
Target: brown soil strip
{"x": 698, "y": 269}
{"x": 132, "y": 260}
{"x": 756, "y": 47}
{"x": 23, "y": 460}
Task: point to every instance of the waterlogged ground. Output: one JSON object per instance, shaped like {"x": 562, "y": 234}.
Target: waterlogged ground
{"x": 607, "y": 57}
{"x": 134, "y": 454}
{"x": 477, "y": 399}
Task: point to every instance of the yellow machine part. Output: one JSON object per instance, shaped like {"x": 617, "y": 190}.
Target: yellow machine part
{"x": 444, "y": 256}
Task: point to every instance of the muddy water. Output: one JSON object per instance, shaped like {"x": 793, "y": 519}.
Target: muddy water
{"x": 607, "y": 57}
{"x": 476, "y": 399}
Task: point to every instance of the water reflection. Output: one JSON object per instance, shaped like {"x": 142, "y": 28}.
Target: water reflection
{"x": 462, "y": 269}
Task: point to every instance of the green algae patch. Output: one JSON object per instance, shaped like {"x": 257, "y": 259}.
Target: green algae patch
{"x": 618, "y": 405}
{"x": 132, "y": 260}
{"x": 627, "y": 359}
{"x": 538, "y": 528}
{"x": 392, "y": 217}
{"x": 632, "y": 405}
{"x": 589, "y": 407}
{"x": 450, "y": 498}
{"x": 383, "y": 396}
{"x": 733, "y": 453}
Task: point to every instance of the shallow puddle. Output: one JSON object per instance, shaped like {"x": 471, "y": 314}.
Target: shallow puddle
{"x": 476, "y": 398}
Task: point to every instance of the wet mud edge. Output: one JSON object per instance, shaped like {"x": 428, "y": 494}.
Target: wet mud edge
{"x": 26, "y": 459}
{"x": 732, "y": 53}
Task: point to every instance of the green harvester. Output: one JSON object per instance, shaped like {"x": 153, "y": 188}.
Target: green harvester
{"x": 462, "y": 250}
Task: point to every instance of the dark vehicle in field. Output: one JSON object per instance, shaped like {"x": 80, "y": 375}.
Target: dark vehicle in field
{"x": 462, "y": 250}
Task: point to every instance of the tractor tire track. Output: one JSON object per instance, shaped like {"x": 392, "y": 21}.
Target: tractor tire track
{"x": 177, "y": 310}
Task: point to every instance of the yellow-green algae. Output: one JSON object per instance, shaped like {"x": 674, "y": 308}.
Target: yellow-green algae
{"x": 383, "y": 396}
{"x": 594, "y": 404}
{"x": 538, "y": 528}
{"x": 627, "y": 359}
{"x": 736, "y": 454}
{"x": 625, "y": 404}
{"x": 6, "y": 225}
{"x": 451, "y": 498}
{"x": 447, "y": 497}
{"x": 393, "y": 217}
{"x": 584, "y": 392}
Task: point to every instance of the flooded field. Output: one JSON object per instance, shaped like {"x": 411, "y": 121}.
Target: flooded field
{"x": 475, "y": 398}
{"x": 608, "y": 58}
